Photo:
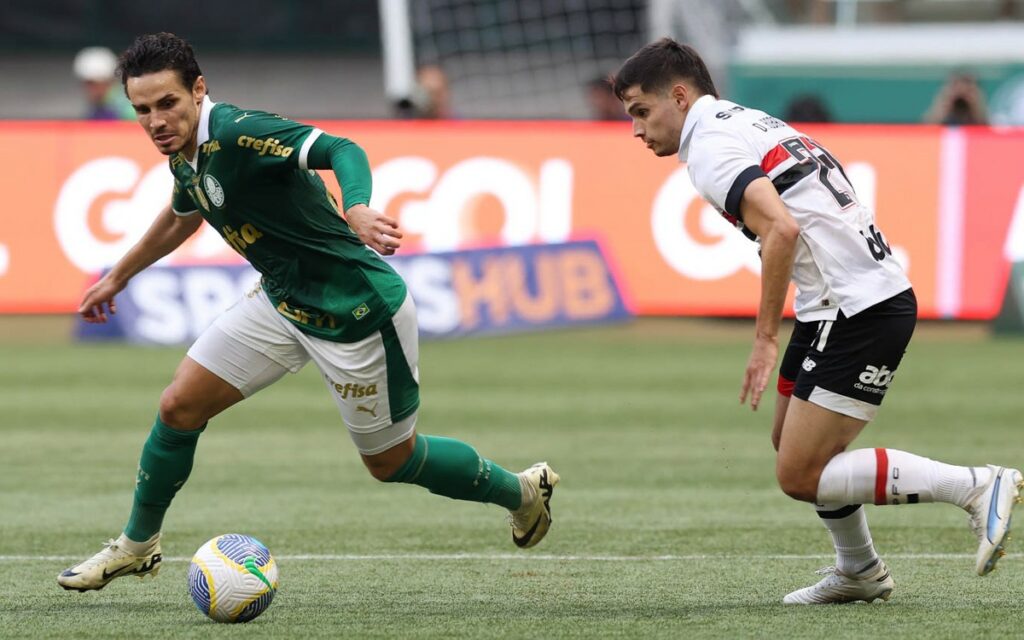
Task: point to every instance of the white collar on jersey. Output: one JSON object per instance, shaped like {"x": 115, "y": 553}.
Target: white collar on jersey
{"x": 697, "y": 109}
{"x": 203, "y": 134}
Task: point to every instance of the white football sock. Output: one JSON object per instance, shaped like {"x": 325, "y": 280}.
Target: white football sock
{"x": 891, "y": 476}
{"x": 848, "y": 525}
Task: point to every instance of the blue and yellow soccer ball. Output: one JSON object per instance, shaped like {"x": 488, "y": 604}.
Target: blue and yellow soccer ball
{"x": 233, "y": 578}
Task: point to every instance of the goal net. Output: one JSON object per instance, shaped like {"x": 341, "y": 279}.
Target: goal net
{"x": 524, "y": 59}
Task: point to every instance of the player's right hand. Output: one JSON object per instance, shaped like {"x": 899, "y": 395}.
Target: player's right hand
{"x": 376, "y": 230}
{"x": 97, "y": 297}
{"x": 760, "y": 366}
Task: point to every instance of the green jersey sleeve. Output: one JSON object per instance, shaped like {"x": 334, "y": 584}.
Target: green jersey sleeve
{"x": 350, "y": 165}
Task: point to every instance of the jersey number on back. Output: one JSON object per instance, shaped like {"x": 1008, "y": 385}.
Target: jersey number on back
{"x": 801, "y": 150}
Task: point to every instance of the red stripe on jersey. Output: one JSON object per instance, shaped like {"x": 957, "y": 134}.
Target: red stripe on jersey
{"x": 785, "y": 386}
{"x": 774, "y": 158}
{"x": 881, "y": 474}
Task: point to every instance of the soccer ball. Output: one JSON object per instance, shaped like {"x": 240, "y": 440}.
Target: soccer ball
{"x": 233, "y": 578}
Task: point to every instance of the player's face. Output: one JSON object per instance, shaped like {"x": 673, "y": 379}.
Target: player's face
{"x": 657, "y": 117}
{"x": 167, "y": 110}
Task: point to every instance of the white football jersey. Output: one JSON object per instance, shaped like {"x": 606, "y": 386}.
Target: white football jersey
{"x": 842, "y": 259}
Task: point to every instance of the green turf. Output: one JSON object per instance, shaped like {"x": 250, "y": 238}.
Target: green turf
{"x": 667, "y": 524}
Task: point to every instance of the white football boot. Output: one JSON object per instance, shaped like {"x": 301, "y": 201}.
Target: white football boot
{"x": 121, "y": 557}
{"x": 530, "y": 522}
{"x": 839, "y": 588}
{"x": 990, "y": 513}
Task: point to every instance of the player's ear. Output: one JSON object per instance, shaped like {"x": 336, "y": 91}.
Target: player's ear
{"x": 199, "y": 89}
{"x": 681, "y": 95}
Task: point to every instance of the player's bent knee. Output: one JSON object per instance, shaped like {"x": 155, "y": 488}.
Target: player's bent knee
{"x": 177, "y": 412}
{"x": 798, "y": 485}
{"x": 384, "y": 465}
{"x": 380, "y": 469}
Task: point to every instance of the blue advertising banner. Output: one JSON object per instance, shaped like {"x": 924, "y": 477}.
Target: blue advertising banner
{"x": 460, "y": 293}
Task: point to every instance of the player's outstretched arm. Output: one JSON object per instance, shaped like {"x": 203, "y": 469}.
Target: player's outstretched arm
{"x": 166, "y": 234}
{"x": 766, "y": 215}
{"x": 349, "y": 163}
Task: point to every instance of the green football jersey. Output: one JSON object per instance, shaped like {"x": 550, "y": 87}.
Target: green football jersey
{"x": 251, "y": 183}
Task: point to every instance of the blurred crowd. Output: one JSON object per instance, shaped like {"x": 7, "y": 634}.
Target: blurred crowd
{"x": 894, "y": 11}
{"x": 96, "y": 71}
{"x": 960, "y": 100}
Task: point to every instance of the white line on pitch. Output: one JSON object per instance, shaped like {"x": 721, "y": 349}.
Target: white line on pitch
{"x": 528, "y": 557}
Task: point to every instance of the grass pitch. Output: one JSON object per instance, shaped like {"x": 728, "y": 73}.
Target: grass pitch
{"x": 668, "y": 522}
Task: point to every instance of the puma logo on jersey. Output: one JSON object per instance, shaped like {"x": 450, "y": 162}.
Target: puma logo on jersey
{"x": 876, "y": 377}
{"x": 242, "y": 117}
{"x": 809, "y": 364}
{"x": 372, "y": 410}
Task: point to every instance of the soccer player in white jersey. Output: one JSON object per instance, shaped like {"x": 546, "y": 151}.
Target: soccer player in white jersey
{"x": 855, "y": 312}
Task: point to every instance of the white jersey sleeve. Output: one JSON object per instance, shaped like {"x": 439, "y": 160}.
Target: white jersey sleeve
{"x": 721, "y": 168}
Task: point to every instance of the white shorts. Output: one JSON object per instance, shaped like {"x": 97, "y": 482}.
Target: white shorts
{"x": 375, "y": 382}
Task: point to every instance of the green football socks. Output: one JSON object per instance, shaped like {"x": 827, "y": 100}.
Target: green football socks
{"x": 444, "y": 466}
{"x": 164, "y": 467}
{"x": 452, "y": 468}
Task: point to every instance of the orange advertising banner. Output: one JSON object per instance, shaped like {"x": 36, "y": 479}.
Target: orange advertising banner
{"x": 82, "y": 193}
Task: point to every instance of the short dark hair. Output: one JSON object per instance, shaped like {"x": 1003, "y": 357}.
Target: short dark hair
{"x": 655, "y": 67}
{"x": 155, "y": 52}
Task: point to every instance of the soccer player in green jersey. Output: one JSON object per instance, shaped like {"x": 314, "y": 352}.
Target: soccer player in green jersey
{"x": 323, "y": 296}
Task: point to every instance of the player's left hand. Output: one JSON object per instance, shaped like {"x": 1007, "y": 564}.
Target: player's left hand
{"x": 760, "y": 366}
{"x": 375, "y": 229}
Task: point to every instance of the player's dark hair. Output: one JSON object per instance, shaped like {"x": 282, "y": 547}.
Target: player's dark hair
{"x": 156, "y": 52}
{"x": 660, "y": 63}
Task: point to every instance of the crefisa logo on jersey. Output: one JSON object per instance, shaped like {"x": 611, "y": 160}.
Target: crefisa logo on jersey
{"x": 214, "y": 190}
